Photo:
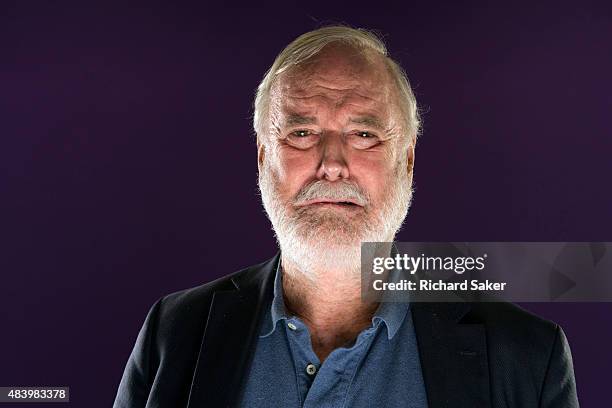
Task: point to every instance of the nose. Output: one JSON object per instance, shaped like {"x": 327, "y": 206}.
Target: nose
{"x": 333, "y": 164}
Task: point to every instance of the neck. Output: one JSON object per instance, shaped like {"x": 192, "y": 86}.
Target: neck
{"x": 329, "y": 302}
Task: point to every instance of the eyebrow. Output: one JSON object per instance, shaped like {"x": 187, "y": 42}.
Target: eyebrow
{"x": 295, "y": 120}
{"x": 368, "y": 120}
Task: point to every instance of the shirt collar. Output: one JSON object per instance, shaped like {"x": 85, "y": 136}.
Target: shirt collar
{"x": 391, "y": 313}
{"x": 277, "y": 310}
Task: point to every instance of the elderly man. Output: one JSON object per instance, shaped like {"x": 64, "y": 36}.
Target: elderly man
{"x": 336, "y": 124}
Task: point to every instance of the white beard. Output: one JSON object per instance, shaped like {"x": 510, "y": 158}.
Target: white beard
{"x": 319, "y": 239}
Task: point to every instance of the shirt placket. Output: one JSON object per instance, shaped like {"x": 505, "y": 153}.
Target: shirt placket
{"x": 305, "y": 361}
{"x": 324, "y": 385}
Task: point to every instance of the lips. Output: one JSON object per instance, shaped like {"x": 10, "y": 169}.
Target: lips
{"x": 331, "y": 202}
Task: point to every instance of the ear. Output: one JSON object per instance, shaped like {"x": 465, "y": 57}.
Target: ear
{"x": 261, "y": 152}
{"x": 410, "y": 162}
{"x": 410, "y": 158}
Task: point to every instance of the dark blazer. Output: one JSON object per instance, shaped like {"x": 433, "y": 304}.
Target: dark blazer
{"x": 195, "y": 347}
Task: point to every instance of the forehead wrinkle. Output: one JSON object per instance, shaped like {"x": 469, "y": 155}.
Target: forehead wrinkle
{"x": 305, "y": 92}
{"x": 308, "y": 90}
{"x": 300, "y": 83}
{"x": 313, "y": 105}
{"x": 302, "y": 99}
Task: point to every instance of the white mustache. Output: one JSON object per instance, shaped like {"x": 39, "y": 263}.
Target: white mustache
{"x": 340, "y": 191}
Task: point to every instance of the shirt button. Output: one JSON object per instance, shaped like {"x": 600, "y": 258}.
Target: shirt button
{"x": 311, "y": 369}
{"x": 292, "y": 326}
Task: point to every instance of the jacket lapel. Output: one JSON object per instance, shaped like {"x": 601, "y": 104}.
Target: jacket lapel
{"x": 229, "y": 336}
{"x": 453, "y": 356}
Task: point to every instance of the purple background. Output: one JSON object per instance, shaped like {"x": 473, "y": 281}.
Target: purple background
{"x": 128, "y": 165}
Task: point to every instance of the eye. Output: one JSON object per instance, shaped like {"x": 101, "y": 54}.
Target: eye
{"x": 301, "y": 133}
{"x": 302, "y": 138}
{"x": 362, "y": 139}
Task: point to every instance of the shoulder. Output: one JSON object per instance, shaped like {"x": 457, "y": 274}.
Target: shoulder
{"x": 192, "y": 304}
{"x": 528, "y": 355}
{"x": 166, "y": 349}
{"x": 509, "y": 326}
{"x": 176, "y": 322}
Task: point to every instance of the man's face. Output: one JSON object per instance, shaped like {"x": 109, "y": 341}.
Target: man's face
{"x": 336, "y": 165}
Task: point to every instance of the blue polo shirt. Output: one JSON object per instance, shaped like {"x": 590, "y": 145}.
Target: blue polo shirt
{"x": 380, "y": 369}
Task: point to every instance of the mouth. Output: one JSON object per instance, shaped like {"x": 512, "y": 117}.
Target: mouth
{"x": 331, "y": 203}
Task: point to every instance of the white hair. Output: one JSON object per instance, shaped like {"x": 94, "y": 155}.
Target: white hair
{"x": 310, "y": 44}
{"x": 323, "y": 241}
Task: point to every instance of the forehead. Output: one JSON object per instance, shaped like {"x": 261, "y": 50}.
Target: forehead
{"x": 338, "y": 76}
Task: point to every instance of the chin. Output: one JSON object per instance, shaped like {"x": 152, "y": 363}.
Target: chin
{"x": 323, "y": 249}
